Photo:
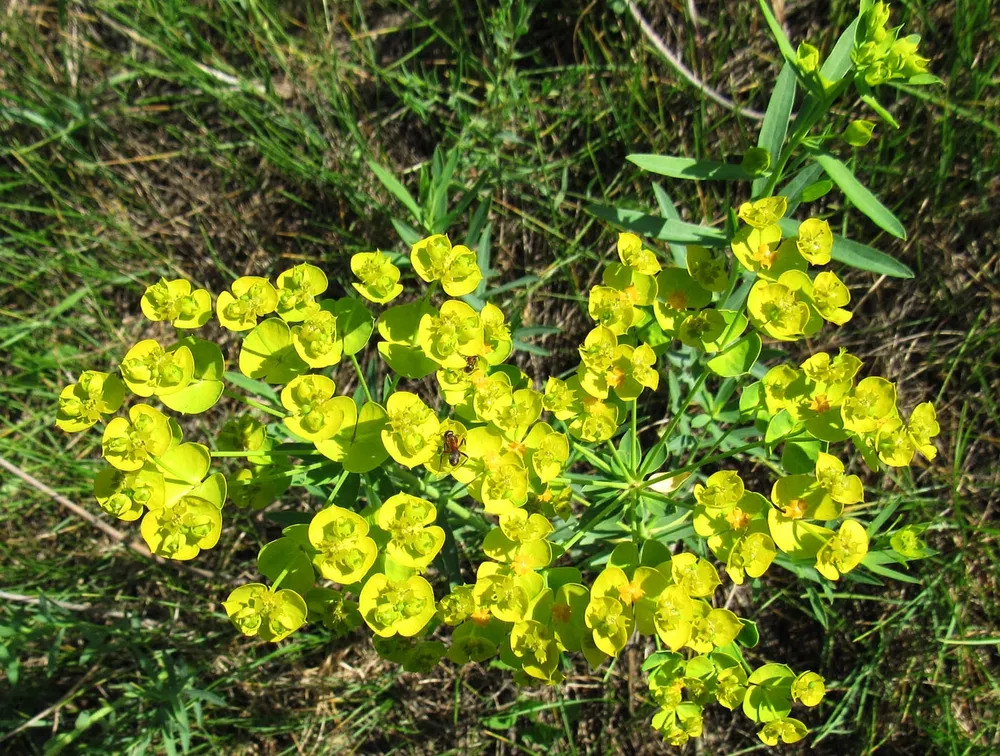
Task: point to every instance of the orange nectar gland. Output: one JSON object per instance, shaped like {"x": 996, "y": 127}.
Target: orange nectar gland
{"x": 677, "y": 300}
{"x": 796, "y": 509}
{"x": 561, "y": 613}
{"x": 481, "y": 617}
{"x": 820, "y": 404}
{"x": 765, "y": 255}
{"x": 545, "y": 496}
{"x": 737, "y": 518}
{"x": 630, "y": 593}
{"x": 517, "y": 447}
{"x": 632, "y": 293}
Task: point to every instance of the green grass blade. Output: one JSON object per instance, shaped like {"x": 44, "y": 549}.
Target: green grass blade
{"x": 689, "y": 168}
{"x": 787, "y": 51}
{"x": 663, "y": 229}
{"x": 397, "y": 189}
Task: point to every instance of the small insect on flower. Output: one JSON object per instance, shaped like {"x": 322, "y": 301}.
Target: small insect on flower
{"x": 471, "y": 363}
{"x": 451, "y": 446}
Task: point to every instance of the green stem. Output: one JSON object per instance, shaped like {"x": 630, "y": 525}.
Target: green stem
{"x": 277, "y": 580}
{"x": 665, "y": 438}
{"x": 635, "y": 440}
{"x": 255, "y": 404}
{"x": 619, "y": 461}
{"x": 575, "y": 538}
{"x": 361, "y": 377}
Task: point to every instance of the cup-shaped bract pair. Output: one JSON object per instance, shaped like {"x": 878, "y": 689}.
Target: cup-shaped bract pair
{"x": 414, "y": 540}
{"x": 379, "y": 277}
{"x": 126, "y": 495}
{"x": 176, "y": 302}
{"x": 436, "y": 259}
{"x": 410, "y": 434}
{"x": 181, "y": 528}
{"x": 251, "y": 298}
{"x": 271, "y": 615}
{"x": 297, "y": 289}
{"x": 451, "y": 336}
{"x": 338, "y": 614}
{"x": 316, "y": 413}
{"x": 345, "y": 552}
{"x": 317, "y": 340}
{"x": 127, "y": 444}
{"x": 391, "y": 607}
{"x": 634, "y": 254}
{"x": 150, "y": 370}
{"x": 82, "y": 404}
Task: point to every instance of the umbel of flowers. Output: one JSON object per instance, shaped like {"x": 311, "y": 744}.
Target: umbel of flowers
{"x": 505, "y": 440}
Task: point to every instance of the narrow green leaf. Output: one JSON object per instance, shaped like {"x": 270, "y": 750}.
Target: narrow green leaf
{"x": 838, "y": 62}
{"x": 858, "y": 194}
{"x": 856, "y": 254}
{"x": 397, "y": 189}
{"x": 787, "y": 51}
{"x": 775, "y": 125}
{"x": 689, "y": 168}
{"x": 872, "y": 102}
{"x": 663, "y": 229}
{"x": 794, "y": 189}
{"x": 669, "y": 211}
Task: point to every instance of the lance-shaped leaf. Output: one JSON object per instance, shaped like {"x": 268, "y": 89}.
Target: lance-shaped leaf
{"x": 689, "y": 168}
{"x": 673, "y": 231}
{"x": 858, "y": 194}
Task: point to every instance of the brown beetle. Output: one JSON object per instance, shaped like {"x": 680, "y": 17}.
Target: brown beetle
{"x": 451, "y": 446}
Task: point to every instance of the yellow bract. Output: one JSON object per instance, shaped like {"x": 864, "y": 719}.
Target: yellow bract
{"x": 174, "y": 301}
{"x": 83, "y": 403}
{"x": 127, "y": 444}
{"x": 251, "y": 298}
{"x": 150, "y": 370}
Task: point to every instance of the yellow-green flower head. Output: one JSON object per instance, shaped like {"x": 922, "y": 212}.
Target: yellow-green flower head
{"x": 535, "y": 647}
{"x": 869, "y": 405}
{"x": 127, "y": 444}
{"x": 725, "y": 525}
{"x": 809, "y": 688}
{"x": 150, "y": 370}
{"x": 452, "y": 336}
{"x": 701, "y": 328}
{"x": 338, "y": 614}
{"x": 633, "y": 254}
{"x": 815, "y": 241}
{"x": 244, "y": 433}
{"x": 696, "y": 577}
{"x": 675, "y": 611}
{"x": 802, "y": 497}
{"x": 491, "y": 395}
{"x": 842, "y": 488}
{"x": 638, "y": 287}
{"x": 126, "y": 494}
{"x": 634, "y": 369}
{"x": 316, "y": 340}
{"x": 410, "y": 434}
{"x": 516, "y": 417}
{"x": 778, "y": 310}
{"x": 731, "y": 684}
{"x": 611, "y": 308}
{"x": 903, "y": 59}
{"x": 457, "y": 606}
{"x": 435, "y": 259}
{"x": 830, "y": 295}
{"x": 181, "y": 529}
{"x": 597, "y": 355}
{"x": 709, "y": 268}
{"x": 251, "y": 298}
{"x": 502, "y": 592}
{"x": 722, "y": 490}
{"x": 680, "y": 724}
{"x": 712, "y": 628}
{"x": 596, "y": 422}
{"x": 786, "y": 729}
{"x": 497, "y": 341}
{"x": 81, "y": 404}
{"x": 761, "y": 251}
{"x": 844, "y": 551}
{"x": 751, "y": 555}
{"x": 908, "y": 543}
{"x": 828, "y": 371}
{"x": 610, "y": 623}
{"x": 923, "y": 427}
{"x": 176, "y": 302}
{"x": 560, "y": 399}
{"x": 763, "y": 212}
{"x": 784, "y": 388}
{"x": 677, "y": 292}
{"x": 547, "y": 451}
{"x": 521, "y": 527}
{"x": 396, "y": 607}
{"x": 345, "y": 552}
{"x": 871, "y": 27}
{"x": 415, "y": 542}
{"x": 314, "y": 407}
{"x": 379, "y": 277}
{"x": 297, "y": 290}
{"x": 504, "y": 486}
{"x": 807, "y": 57}
{"x": 256, "y": 610}
{"x": 893, "y": 443}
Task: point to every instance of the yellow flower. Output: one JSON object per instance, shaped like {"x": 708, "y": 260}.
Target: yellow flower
{"x": 396, "y": 607}
{"x": 761, "y": 251}
{"x": 409, "y": 437}
{"x": 844, "y": 551}
{"x": 316, "y": 413}
{"x": 150, "y": 370}
{"x": 633, "y": 254}
{"x": 127, "y": 444}
{"x": 815, "y": 241}
{"x": 176, "y": 302}
{"x": 82, "y": 404}
{"x": 252, "y": 297}
{"x": 830, "y": 295}
{"x": 258, "y": 610}
{"x": 297, "y": 290}
{"x": 316, "y": 341}
{"x": 344, "y": 550}
{"x": 379, "y": 277}
{"x": 435, "y": 259}
{"x": 181, "y": 529}
{"x": 415, "y": 542}
{"x": 763, "y": 212}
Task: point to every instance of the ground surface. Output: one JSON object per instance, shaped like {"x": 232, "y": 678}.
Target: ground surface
{"x": 172, "y": 137}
